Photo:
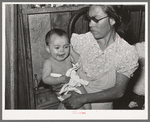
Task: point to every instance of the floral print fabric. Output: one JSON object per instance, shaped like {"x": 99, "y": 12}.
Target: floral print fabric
{"x": 95, "y": 62}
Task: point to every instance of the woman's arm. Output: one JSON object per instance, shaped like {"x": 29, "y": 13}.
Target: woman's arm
{"x": 83, "y": 91}
{"x": 77, "y": 100}
{"x": 110, "y": 94}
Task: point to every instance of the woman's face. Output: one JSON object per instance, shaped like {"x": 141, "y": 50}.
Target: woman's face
{"x": 103, "y": 26}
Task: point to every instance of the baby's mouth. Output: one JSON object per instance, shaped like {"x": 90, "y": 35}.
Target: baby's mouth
{"x": 62, "y": 55}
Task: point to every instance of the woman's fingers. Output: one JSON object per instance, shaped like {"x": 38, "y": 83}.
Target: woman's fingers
{"x": 66, "y": 104}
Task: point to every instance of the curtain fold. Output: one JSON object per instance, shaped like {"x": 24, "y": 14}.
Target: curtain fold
{"x": 25, "y": 94}
{"x": 18, "y": 64}
{"x": 10, "y": 57}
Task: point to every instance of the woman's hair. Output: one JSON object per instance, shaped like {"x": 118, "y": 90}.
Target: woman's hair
{"x": 116, "y": 12}
{"x": 56, "y": 31}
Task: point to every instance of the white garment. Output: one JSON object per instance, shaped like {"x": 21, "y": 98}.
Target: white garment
{"x": 74, "y": 82}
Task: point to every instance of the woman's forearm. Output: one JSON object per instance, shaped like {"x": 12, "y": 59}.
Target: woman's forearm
{"x": 104, "y": 96}
{"x": 110, "y": 94}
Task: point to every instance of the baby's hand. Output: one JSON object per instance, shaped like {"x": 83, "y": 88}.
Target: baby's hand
{"x": 64, "y": 79}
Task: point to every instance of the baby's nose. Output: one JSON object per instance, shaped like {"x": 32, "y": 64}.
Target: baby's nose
{"x": 61, "y": 52}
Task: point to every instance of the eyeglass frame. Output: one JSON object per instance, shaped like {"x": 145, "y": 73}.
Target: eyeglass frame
{"x": 94, "y": 19}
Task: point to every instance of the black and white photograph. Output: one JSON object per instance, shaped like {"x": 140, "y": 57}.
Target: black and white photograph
{"x": 74, "y": 60}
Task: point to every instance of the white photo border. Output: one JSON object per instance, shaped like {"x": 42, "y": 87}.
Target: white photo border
{"x": 75, "y": 114}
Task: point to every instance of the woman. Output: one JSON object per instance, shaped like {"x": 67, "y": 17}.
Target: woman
{"x": 105, "y": 57}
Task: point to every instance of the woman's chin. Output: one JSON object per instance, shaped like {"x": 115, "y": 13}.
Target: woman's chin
{"x": 95, "y": 34}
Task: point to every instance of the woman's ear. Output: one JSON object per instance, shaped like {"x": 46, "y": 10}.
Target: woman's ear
{"x": 47, "y": 49}
{"x": 112, "y": 21}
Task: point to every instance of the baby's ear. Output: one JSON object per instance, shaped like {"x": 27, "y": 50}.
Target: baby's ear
{"x": 47, "y": 48}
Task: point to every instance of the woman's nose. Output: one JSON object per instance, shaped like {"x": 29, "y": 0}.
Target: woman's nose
{"x": 91, "y": 23}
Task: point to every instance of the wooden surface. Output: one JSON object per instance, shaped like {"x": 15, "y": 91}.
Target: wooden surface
{"x": 27, "y": 44}
{"x": 45, "y": 98}
{"x": 28, "y": 10}
{"x": 39, "y": 25}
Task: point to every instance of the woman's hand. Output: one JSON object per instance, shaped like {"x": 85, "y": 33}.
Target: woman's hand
{"x": 75, "y": 101}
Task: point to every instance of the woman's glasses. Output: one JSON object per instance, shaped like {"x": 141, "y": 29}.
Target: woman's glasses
{"x": 88, "y": 18}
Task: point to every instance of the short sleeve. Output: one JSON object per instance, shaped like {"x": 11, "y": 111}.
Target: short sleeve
{"x": 127, "y": 60}
{"x": 81, "y": 42}
{"x": 140, "y": 47}
{"x": 76, "y": 43}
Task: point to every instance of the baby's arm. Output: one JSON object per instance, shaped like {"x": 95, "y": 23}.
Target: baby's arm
{"x": 83, "y": 91}
{"x": 47, "y": 79}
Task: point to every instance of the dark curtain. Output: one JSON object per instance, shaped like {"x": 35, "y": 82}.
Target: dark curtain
{"x": 10, "y": 57}
{"x": 18, "y": 64}
{"x": 25, "y": 93}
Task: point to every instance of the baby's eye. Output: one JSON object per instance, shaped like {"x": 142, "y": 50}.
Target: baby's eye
{"x": 56, "y": 47}
{"x": 67, "y": 46}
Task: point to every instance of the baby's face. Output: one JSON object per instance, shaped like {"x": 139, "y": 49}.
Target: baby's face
{"x": 59, "y": 47}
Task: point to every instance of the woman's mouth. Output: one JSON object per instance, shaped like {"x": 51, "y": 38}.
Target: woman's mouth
{"x": 93, "y": 31}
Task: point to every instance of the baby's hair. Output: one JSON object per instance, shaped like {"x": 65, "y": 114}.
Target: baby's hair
{"x": 56, "y": 31}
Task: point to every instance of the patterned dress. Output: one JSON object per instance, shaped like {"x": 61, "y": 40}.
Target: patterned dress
{"x": 102, "y": 66}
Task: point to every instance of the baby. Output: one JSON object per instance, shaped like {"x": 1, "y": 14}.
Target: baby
{"x": 58, "y": 68}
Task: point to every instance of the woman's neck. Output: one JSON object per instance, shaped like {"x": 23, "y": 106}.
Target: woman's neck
{"x": 107, "y": 40}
